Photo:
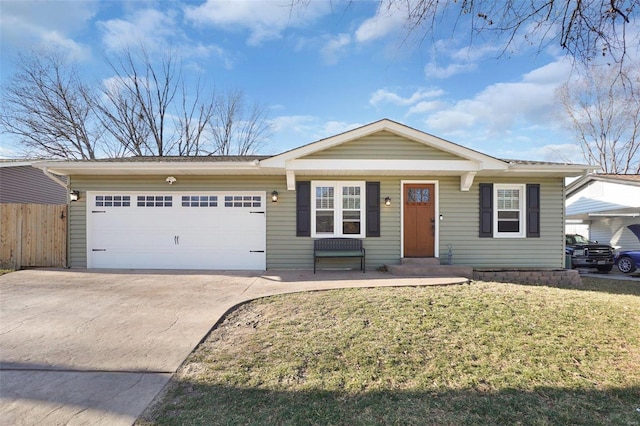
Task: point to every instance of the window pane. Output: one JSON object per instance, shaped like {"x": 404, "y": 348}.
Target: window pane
{"x": 351, "y": 215}
{"x": 351, "y": 197}
{"x": 509, "y": 199}
{"x": 508, "y": 226}
{"x": 324, "y": 197}
{"x": 324, "y": 222}
{"x": 351, "y": 228}
{"x": 510, "y": 214}
{"x": 351, "y": 222}
{"x": 417, "y": 195}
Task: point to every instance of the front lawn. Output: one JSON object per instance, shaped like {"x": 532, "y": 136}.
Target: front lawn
{"x": 485, "y": 353}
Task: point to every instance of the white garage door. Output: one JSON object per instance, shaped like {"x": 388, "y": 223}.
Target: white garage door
{"x": 186, "y": 230}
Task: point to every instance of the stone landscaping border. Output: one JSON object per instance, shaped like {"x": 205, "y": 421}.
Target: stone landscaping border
{"x": 529, "y": 276}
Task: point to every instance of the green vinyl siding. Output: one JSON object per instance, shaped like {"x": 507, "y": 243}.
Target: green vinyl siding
{"x": 384, "y": 146}
{"x": 459, "y": 226}
{"x": 286, "y": 251}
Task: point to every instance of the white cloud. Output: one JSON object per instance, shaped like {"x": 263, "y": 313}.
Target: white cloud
{"x": 265, "y": 20}
{"x": 293, "y": 131}
{"x": 293, "y": 123}
{"x": 384, "y": 96}
{"x": 149, "y": 28}
{"x": 432, "y": 70}
{"x": 454, "y": 56}
{"x": 76, "y": 51}
{"x": 470, "y": 52}
{"x": 331, "y": 128}
{"x": 425, "y": 107}
{"x": 447, "y": 60}
{"x": 157, "y": 32}
{"x": 389, "y": 18}
{"x": 24, "y": 25}
{"x": 334, "y": 47}
{"x": 502, "y": 106}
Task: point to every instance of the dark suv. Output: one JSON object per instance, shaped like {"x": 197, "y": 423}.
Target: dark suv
{"x": 589, "y": 254}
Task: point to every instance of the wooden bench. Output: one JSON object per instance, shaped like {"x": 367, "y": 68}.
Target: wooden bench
{"x": 338, "y": 247}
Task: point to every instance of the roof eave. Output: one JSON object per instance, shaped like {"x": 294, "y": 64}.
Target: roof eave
{"x": 143, "y": 168}
{"x": 559, "y": 170}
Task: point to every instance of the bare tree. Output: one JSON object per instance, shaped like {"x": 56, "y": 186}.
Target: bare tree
{"x": 238, "y": 128}
{"x": 48, "y": 108}
{"x": 136, "y": 102}
{"x": 146, "y": 108}
{"x": 149, "y": 110}
{"x": 193, "y": 123}
{"x": 603, "y": 109}
{"x": 585, "y": 29}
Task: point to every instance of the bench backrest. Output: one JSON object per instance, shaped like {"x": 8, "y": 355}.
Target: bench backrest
{"x": 337, "y": 244}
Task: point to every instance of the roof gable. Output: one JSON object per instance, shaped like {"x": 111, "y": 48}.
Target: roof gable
{"x": 313, "y": 150}
{"x": 383, "y": 145}
{"x": 579, "y": 184}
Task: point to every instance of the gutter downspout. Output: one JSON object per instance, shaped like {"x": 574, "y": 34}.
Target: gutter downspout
{"x": 66, "y": 186}
{"x": 55, "y": 178}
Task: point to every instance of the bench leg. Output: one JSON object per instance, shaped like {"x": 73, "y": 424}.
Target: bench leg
{"x": 315, "y": 260}
{"x": 363, "y": 264}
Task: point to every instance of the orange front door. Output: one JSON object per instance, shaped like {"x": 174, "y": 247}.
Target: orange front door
{"x": 419, "y": 220}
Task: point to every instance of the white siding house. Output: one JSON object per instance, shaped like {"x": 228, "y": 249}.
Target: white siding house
{"x": 604, "y": 205}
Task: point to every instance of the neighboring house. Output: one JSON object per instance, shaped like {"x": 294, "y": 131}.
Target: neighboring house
{"x": 604, "y": 205}
{"x": 405, "y": 193}
{"x": 23, "y": 184}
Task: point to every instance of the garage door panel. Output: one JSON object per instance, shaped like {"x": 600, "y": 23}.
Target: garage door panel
{"x": 181, "y": 231}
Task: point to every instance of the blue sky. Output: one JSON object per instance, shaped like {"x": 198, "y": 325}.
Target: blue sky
{"x": 322, "y": 68}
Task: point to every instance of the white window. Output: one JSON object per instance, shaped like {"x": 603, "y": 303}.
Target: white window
{"x": 337, "y": 209}
{"x": 113, "y": 201}
{"x": 242, "y": 201}
{"x": 199, "y": 201}
{"x": 155, "y": 201}
{"x": 509, "y": 208}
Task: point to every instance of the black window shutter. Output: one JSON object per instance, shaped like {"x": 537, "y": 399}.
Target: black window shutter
{"x": 533, "y": 210}
{"x": 303, "y": 209}
{"x": 373, "y": 209}
{"x": 486, "y": 210}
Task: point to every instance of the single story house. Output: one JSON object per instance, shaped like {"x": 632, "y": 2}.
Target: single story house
{"x": 403, "y": 192}
{"x": 602, "y": 206}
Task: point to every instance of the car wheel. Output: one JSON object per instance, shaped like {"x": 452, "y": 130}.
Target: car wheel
{"x": 626, "y": 265}
{"x": 607, "y": 268}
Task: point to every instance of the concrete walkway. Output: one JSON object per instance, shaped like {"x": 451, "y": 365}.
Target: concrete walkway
{"x": 95, "y": 347}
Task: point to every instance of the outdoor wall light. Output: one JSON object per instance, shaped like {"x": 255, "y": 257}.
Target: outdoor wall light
{"x": 274, "y": 196}
{"x": 170, "y": 180}
{"x": 387, "y": 201}
{"x": 74, "y": 195}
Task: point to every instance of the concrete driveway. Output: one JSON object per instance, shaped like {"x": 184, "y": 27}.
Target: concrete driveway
{"x": 95, "y": 347}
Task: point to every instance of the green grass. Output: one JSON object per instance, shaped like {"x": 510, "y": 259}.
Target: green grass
{"x": 5, "y": 271}
{"x": 486, "y": 353}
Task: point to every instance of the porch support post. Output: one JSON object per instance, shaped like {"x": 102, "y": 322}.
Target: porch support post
{"x": 291, "y": 180}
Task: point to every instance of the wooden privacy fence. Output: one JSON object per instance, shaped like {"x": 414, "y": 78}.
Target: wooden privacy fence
{"x": 33, "y": 235}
